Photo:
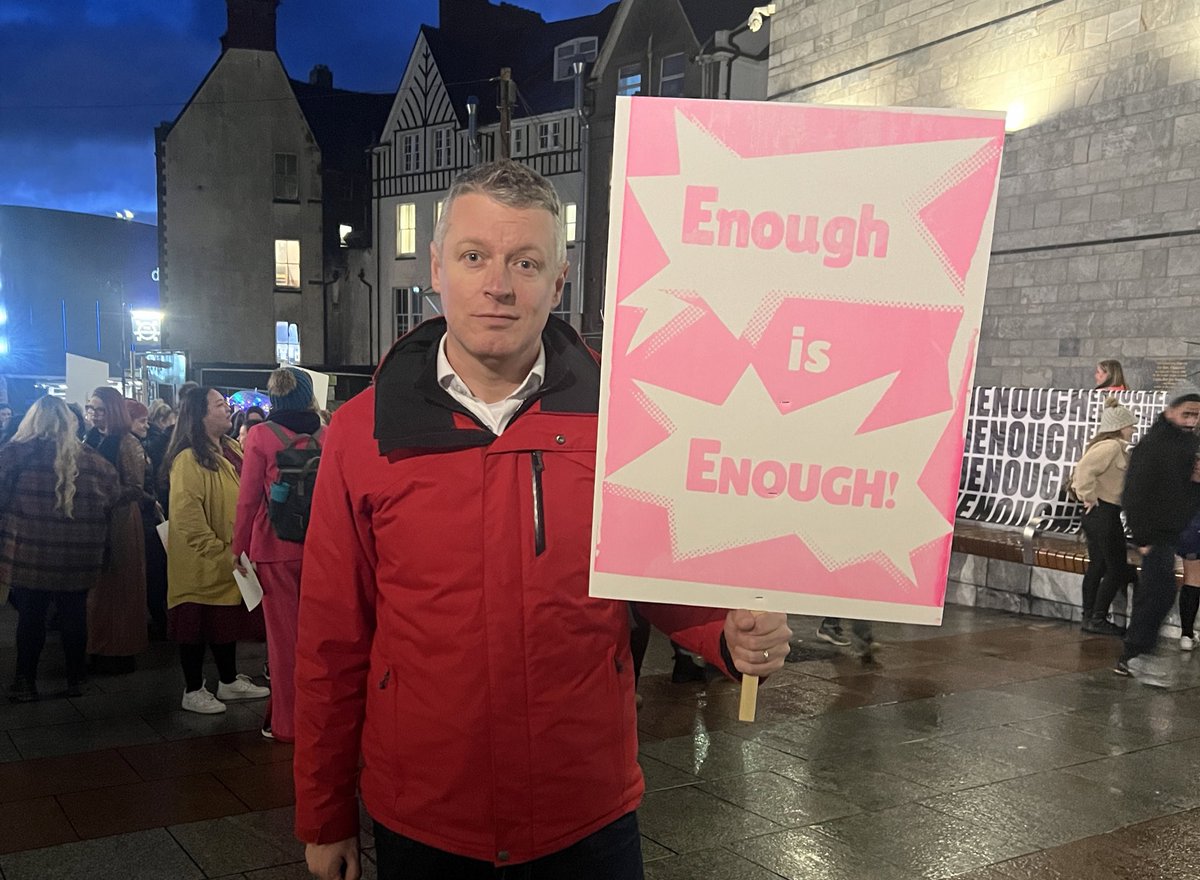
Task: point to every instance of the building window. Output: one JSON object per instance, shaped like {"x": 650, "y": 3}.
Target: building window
{"x": 406, "y": 229}
{"x": 287, "y": 343}
{"x": 410, "y": 148}
{"x": 287, "y": 186}
{"x": 563, "y": 310}
{"x": 517, "y": 141}
{"x": 550, "y": 136}
{"x": 629, "y": 79}
{"x": 569, "y": 217}
{"x": 443, "y": 148}
{"x": 566, "y": 54}
{"x": 408, "y": 308}
{"x": 287, "y": 263}
{"x": 344, "y": 232}
{"x": 670, "y": 81}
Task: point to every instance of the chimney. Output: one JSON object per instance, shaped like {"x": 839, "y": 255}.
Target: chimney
{"x": 321, "y": 76}
{"x": 251, "y": 25}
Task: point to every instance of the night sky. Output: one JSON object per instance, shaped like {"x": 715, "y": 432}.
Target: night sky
{"x": 85, "y": 82}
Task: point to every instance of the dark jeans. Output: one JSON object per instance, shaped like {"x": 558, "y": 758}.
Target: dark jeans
{"x": 1189, "y": 604}
{"x": 612, "y": 853}
{"x": 1152, "y": 600}
{"x": 1108, "y": 561}
{"x": 191, "y": 658}
{"x": 32, "y": 607}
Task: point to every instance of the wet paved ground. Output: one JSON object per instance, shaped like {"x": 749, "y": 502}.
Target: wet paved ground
{"x": 993, "y": 748}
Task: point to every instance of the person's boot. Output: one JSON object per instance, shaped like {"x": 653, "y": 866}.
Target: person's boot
{"x": 1098, "y": 626}
{"x": 23, "y": 690}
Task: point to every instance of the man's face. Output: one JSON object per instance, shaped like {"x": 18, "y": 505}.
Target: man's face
{"x": 217, "y": 420}
{"x": 1184, "y": 415}
{"x": 499, "y": 280}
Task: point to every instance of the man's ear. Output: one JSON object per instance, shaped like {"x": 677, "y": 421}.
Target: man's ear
{"x": 560, "y": 282}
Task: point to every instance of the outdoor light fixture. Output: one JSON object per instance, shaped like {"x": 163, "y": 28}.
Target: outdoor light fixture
{"x": 755, "y": 21}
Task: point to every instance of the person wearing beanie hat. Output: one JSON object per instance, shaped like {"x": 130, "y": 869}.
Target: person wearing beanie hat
{"x": 291, "y": 389}
{"x": 1098, "y": 481}
{"x": 1161, "y": 496}
{"x": 293, "y": 419}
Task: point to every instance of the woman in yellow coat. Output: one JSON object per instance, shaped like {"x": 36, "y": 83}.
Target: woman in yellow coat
{"x": 204, "y": 605}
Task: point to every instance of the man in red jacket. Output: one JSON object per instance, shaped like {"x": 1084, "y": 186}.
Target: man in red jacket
{"x": 446, "y": 632}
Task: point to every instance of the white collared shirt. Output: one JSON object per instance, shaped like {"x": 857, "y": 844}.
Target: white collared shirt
{"x": 495, "y": 415}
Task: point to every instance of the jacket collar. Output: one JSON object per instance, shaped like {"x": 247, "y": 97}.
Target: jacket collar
{"x": 413, "y": 410}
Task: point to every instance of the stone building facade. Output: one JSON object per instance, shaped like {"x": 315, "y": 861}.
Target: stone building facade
{"x": 1097, "y": 240}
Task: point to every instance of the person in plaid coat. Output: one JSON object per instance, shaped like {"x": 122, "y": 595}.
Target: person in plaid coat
{"x": 55, "y": 500}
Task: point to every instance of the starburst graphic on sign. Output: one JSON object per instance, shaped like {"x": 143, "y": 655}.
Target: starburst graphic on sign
{"x": 806, "y": 472}
{"x": 870, "y": 243}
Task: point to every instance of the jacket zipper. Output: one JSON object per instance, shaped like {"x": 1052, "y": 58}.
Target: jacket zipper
{"x": 539, "y": 513}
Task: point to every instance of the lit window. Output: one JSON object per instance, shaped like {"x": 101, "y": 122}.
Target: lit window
{"x": 443, "y": 141}
{"x": 670, "y": 82}
{"x": 408, "y": 308}
{"x": 569, "y": 214}
{"x": 629, "y": 79}
{"x": 287, "y": 263}
{"x": 406, "y": 228}
{"x": 287, "y": 343}
{"x": 550, "y": 136}
{"x": 287, "y": 187}
{"x": 517, "y": 141}
{"x": 410, "y": 148}
{"x": 343, "y": 232}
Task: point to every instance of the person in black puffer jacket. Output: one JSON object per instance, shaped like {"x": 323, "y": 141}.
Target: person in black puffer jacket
{"x": 1161, "y": 496}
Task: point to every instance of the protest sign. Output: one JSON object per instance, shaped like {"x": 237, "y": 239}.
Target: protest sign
{"x": 1023, "y": 443}
{"x": 792, "y": 307}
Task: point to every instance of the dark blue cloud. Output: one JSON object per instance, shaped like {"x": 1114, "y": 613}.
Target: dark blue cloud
{"x": 85, "y": 82}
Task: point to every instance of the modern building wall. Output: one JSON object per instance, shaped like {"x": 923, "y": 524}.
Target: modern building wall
{"x": 67, "y": 282}
{"x": 220, "y": 219}
{"x": 1096, "y": 251}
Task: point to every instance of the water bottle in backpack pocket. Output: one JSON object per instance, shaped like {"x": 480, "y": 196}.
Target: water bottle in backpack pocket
{"x": 290, "y": 502}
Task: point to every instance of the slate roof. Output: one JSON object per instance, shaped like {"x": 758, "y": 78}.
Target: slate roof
{"x": 468, "y": 68}
{"x": 344, "y": 123}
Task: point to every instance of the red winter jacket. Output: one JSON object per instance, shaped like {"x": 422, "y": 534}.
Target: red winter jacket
{"x": 453, "y": 637}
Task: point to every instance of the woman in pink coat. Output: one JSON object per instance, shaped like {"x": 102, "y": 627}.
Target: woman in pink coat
{"x": 276, "y": 561}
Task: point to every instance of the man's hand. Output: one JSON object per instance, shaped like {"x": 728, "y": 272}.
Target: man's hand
{"x": 334, "y": 861}
{"x": 758, "y": 643}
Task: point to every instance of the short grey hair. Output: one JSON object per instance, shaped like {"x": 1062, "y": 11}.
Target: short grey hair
{"x": 509, "y": 183}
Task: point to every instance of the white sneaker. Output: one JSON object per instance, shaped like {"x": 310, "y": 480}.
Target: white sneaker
{"x": 242, "y": 688}
{"x": 1150, "y": 670}
{"x": 1187, "y": 643}
{"x": 202, "y": 701}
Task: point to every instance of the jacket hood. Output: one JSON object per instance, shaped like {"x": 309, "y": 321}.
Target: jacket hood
{"x": 413, "y": 410}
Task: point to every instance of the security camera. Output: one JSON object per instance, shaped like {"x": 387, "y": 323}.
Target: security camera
{"x": 755, "y": 22}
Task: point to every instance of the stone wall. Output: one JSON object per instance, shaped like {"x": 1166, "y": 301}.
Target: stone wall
{"x": 1097, "y": 239}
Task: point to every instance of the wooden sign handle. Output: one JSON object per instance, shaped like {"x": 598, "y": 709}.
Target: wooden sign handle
{"x": 749, "y": 702}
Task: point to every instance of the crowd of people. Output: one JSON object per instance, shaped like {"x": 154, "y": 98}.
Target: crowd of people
{"x": 128, "y": 520}
{"x": 433, "y": 645}
{"x": 1157, "y": 487}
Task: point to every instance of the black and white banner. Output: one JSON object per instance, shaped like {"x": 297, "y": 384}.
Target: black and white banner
{"x": 1022, "y": 444}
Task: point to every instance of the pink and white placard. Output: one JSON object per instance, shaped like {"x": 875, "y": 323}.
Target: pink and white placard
{"x": 792, "y": 306}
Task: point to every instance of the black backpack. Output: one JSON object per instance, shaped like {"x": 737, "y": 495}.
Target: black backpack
{"x": 291, "y": 495}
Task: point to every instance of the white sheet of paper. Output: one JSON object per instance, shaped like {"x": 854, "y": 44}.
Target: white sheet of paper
{"x": 162, "y": 530}
{"x": 248, "y": 583}
{"x": 84, "y": 375}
